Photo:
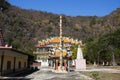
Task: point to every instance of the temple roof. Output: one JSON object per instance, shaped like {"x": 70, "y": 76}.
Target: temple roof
{"x": 56, "y": 40}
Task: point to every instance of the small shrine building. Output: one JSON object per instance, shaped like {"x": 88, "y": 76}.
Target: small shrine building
{"x": 48, "y": 53}
{"x": 55, "y": 51}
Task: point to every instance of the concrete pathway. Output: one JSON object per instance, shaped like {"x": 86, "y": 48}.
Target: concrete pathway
{"x": 47, "y": 74}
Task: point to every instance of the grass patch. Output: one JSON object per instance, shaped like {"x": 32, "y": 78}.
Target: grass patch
{"x": 102, "y": 76}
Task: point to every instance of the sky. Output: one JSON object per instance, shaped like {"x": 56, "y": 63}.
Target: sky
{"x": 70, "y": 7}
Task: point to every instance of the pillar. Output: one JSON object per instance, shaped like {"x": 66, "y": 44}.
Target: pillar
{"x": 65, "y": 65}
{"x": 2, "y": 63}
{"x": 54, "y": 64}
{"x": 14, "y": 64}
{"x": 56, "y": 67}
{"x": 68, "y": 65}
{"x": 51, "y": 63}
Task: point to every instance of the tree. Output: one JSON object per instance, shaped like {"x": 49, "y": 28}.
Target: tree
{"x": 104, "y": 48}
{"x": 16, "y": 44}
{"x": 4, "y": 4}
{"x": 74, "y": 51}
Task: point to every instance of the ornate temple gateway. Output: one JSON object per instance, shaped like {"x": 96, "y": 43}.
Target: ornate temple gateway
{"x": 55, "y": 51}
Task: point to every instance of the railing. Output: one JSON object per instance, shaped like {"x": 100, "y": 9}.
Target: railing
{"x": 40, "y": 52}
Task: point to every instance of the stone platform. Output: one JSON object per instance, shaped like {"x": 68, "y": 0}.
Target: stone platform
{"x": 80, "y": 64}
{"x": 60, "y": 70}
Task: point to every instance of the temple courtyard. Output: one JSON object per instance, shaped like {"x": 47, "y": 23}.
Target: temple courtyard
{"x": 45, "y": 73}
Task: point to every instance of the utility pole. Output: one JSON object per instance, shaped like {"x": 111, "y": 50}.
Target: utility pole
{"x": 60, "y": 46}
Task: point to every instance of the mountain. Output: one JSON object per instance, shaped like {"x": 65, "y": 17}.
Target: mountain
{"x": 23, "y": 28}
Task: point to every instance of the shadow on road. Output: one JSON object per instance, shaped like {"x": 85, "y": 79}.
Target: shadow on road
{"x": 19, "y": 75}
{"x": 15, "y": 78}
{"x": 25, "y": 73}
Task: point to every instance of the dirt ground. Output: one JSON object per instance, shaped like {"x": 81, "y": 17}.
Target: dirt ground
{"x": 104, "y": 75}
{"x": 111, "y": 67}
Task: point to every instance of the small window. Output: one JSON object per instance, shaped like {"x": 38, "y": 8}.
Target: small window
{"x": 37, "y": 49}
{"x": 19, "y": 65}
{"x": 8, "y": 65}
{"x": 24, "y": 64}
{"x": 38, "y": 58}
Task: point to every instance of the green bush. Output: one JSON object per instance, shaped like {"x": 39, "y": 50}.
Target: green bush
{"x": 95, "y": 75}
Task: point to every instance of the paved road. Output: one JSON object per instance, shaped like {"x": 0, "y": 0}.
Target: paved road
{"x": 47, "y": 74}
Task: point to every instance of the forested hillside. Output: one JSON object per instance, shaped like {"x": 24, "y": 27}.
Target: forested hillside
{"x": 23, "y": 28}
{"x": 103, "y": 49}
